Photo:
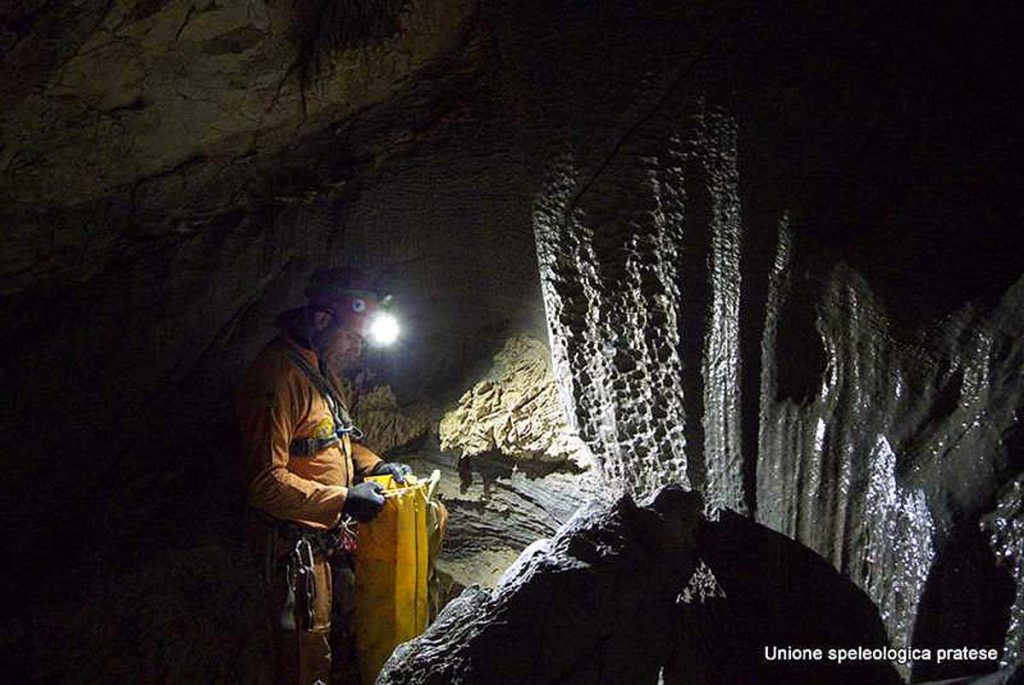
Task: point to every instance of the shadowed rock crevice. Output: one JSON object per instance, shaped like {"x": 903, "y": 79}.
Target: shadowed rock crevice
{"x": 966, "y": 601}
{"x": 763, "y": 591}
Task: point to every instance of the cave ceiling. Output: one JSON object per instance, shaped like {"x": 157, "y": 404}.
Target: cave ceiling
{"x": 130, "y": 121}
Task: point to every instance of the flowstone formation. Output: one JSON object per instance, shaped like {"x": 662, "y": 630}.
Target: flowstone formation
{"x": 629, "y": 334}
{"x": 892, "y": 425}
{"x": 1005, "y": 528}
{"x": 897, "y": 446}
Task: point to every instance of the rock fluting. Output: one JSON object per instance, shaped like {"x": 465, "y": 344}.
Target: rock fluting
{"x": 736, "y": 304}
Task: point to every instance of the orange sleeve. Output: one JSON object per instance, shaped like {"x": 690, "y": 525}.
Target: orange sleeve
{"x": 364, "y": 459}
{"x": 270, "y": 406}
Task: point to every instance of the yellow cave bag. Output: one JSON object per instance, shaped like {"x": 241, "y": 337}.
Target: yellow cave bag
{"x": 392, "y": 568}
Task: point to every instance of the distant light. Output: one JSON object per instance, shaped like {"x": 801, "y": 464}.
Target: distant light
{"x": 383, "y": 329}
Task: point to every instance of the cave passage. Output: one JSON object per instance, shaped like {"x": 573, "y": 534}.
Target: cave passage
{"x": 711, "y": 317}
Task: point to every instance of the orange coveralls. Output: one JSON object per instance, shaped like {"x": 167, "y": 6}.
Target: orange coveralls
{"x": 277, "y": 403}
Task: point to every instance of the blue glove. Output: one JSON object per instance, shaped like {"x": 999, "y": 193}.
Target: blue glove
{"x": 393, "y": 469}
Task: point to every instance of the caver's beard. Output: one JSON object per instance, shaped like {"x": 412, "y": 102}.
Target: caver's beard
{"x": 340, "y": 361}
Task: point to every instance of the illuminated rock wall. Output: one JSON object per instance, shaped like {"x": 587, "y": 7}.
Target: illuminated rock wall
{"x": 780, "y": 287}
{"x": 514, "y": 411}
{"x": 649, "y": 352}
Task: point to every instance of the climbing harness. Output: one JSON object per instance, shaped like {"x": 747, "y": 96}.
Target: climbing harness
{"x": 304, "y": 543}
{"x": 308, "y": 447}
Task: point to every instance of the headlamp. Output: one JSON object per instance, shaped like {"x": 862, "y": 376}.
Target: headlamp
{"x": 383, "y": 328}
{"x": 355, "y": 305}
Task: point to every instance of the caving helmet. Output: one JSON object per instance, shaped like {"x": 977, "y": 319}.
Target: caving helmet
{"x": 350, "y": 297}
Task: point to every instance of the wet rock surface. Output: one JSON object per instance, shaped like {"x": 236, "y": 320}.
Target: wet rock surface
{"x": 735, "y": 304}
{"x": 1005, "y": 529}
{"x": 909, "y": 439}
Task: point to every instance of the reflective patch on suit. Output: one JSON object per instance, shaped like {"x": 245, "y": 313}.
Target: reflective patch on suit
{"x": 324, "y": 428}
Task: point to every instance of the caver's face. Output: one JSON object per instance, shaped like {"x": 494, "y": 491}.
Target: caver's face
{"x": 340, "y": 349}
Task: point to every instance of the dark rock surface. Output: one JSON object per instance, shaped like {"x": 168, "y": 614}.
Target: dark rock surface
{"x": 118, "y": 368}
{"x": 623, "y": 590}
{"x": 121, "y": 110}
{"x": 496, "y": 511}
{"x": 1010, "y": 675}
{"x": 762, "y": 590}
{"x": 192, "y": 615}
{"x": 590, "y": 605}
{"x": 910, "y": 441}
{"x": 1004, "y": 526}
{"x": 771, "y": 275}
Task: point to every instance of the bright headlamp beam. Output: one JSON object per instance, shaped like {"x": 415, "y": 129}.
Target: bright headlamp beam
{"x": 383, "y": 329}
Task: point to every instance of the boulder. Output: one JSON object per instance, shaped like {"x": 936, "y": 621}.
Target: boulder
{"x": 591, "y": 605}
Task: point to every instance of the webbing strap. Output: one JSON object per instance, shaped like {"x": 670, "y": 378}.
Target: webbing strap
{"x": 342, "y": 419}
{"x": 308, "y": 447}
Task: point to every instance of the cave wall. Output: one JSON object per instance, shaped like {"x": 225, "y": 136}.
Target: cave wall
{"x": 132, "y": 305}
{"x": 785, "y": 269}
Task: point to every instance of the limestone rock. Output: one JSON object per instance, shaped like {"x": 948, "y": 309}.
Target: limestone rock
{"x": 386, "y": 425}
{"x": 128, "y": 121}
{"x": 778, "y": 244}
{"x": 495, "y": 512}
{"x": 116, "y": 109}
{"x": 516, "y": 412}
{"x": 622, "y": 591}
{"x": 870, "y": 416}
{"x": 1005, "y": 528}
